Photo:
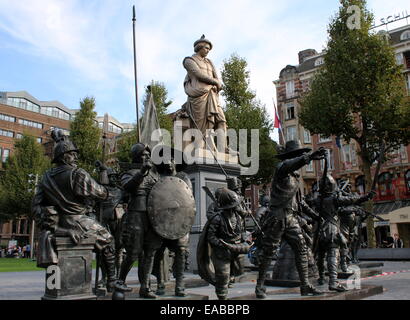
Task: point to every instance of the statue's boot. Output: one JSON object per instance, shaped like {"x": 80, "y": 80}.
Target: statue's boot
{"x": 148, "y": 264}
{"x": 343, "y": 259}
{"x": 306, "y": 288}
{"x": 260, "y": 289}
{"x": 179, "y": 274}
{"x": 109, "y": 266}
{"x": 118, "y": 262}
{"x": 126, "y": 267}
{"x": 321, "y": 268}
{"x": 160, "y": 288}
{"x": 343, "y": 264}
{"x": 332, "y": 269}
{"x": 231, "y": 281}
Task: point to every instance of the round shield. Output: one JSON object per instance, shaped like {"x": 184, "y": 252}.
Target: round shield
{"x": 171, "y": 208}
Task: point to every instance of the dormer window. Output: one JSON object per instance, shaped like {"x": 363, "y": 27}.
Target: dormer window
{"x": 319, "y": 61}
{"x": 405, "y": 35}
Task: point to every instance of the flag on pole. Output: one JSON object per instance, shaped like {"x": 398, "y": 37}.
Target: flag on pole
{"x": 277, "y": 123}
{"x": 150, "y": 125}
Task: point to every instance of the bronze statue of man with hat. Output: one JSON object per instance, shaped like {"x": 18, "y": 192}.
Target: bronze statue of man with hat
{"x": 202, "y": 87}
{"x": 281, "y": 220}
{"x": 61, "y": 207}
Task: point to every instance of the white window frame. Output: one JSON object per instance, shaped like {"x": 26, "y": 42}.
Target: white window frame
{"x": 289, "y": 136}
{"x": 290, "y": 88}
{"x": 307, "y": 138}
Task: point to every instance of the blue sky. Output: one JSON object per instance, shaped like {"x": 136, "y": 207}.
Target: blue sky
{"x": 66, "y": 50}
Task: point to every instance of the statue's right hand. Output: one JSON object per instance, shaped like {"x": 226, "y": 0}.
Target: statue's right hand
{"x": 75, "y": 236}
{"x": 318, "y": 154}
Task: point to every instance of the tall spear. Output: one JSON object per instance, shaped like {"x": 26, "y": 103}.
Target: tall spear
{"x": 135, "y": 72}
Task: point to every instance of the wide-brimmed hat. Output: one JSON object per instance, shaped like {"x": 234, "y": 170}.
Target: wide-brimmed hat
{"x": 292, "y": 149}
{"x": 203, "y": 39}
{"x": 227, "y": 199}
{"x": 164, "y": 152}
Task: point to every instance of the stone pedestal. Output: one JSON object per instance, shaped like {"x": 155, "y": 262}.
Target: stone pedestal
{"x": 71, "y": 278}
{"x": 209, "y": 175}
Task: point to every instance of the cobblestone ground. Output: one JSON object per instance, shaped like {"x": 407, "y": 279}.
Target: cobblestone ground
{"x": 30, "y": 285}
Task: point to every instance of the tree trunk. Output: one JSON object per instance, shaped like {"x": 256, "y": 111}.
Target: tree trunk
{"x": 33, "y": 223}
{"x": 371, "y": 235}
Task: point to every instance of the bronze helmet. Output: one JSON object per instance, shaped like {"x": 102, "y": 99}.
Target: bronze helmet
{"x": 234, "y": 183}
{"x": 62, "y": 144}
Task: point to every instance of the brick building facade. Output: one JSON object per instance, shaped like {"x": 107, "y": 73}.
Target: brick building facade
{"x": 21, "y": 113}
{"x": 393, "y": 188}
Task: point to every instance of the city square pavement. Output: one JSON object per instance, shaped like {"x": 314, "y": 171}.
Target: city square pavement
{"x": 395, "y": 281}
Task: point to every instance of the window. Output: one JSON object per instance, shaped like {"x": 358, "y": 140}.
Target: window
{"x": 324, "y": 139}
{"x": 55, "y": 112}
{"x": 306, "y": 136}
{"x": 406, "y": 57}
{"x": 23, "y": 104}
{"x": 290, "y": 89}
{"x": 330, "y": 161}
{"x": 19, "y": 136}
{"x": 248, "y": 203}
{"x": 5, "y": 155}
{"x": 385, "y": 184}
{"x": 408, "y": 83}
{"x": 405, "y": 35}
{"x": 319, "y": 61}
{"x": 407, "y": 177}
{"x": 399, "y": 58}
{"x": 291, "y": 133}
{"x": 114, "y": 128}
{"x": 6, "y": 133}
{"x": 5, "y": 117}
{"x": 346, "y": 154}
{"x": 39, "y": 140}
{"x": 309, "y": 167}
{"x": 398, "y": 155}
{"x": 290, "y": 111}
{"x": 30, "y": 123}
{"x": 360, "y": 185}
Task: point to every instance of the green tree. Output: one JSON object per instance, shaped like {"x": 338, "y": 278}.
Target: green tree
{"x": 162, "y": 103}
{"x": 17, "y": 185}
{"x": 124, "y": 144}
{"x": 359, "y": 92}
{"x": 86, "y": 135}
{"x": 244, "y": 111}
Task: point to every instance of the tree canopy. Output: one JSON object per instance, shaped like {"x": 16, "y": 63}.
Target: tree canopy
{"x": 244, "y": 111}
{"x": 359, "y": 92}
{"x": 86, "y": 135}
{"x": 17, "y": 186}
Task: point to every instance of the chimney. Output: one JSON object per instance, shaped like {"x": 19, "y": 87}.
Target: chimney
{"x": 303, "y": 55}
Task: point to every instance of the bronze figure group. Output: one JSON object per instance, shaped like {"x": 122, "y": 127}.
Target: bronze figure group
{"x": 148, "y": 210}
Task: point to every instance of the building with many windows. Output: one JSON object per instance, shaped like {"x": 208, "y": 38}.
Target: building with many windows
{"x": 393, "y": 194}
{"x": 20, "y": 112}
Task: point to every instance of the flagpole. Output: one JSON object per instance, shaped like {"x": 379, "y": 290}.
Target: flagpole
{"x": 280, "y": 122}
{"x": 135, "y": 73}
